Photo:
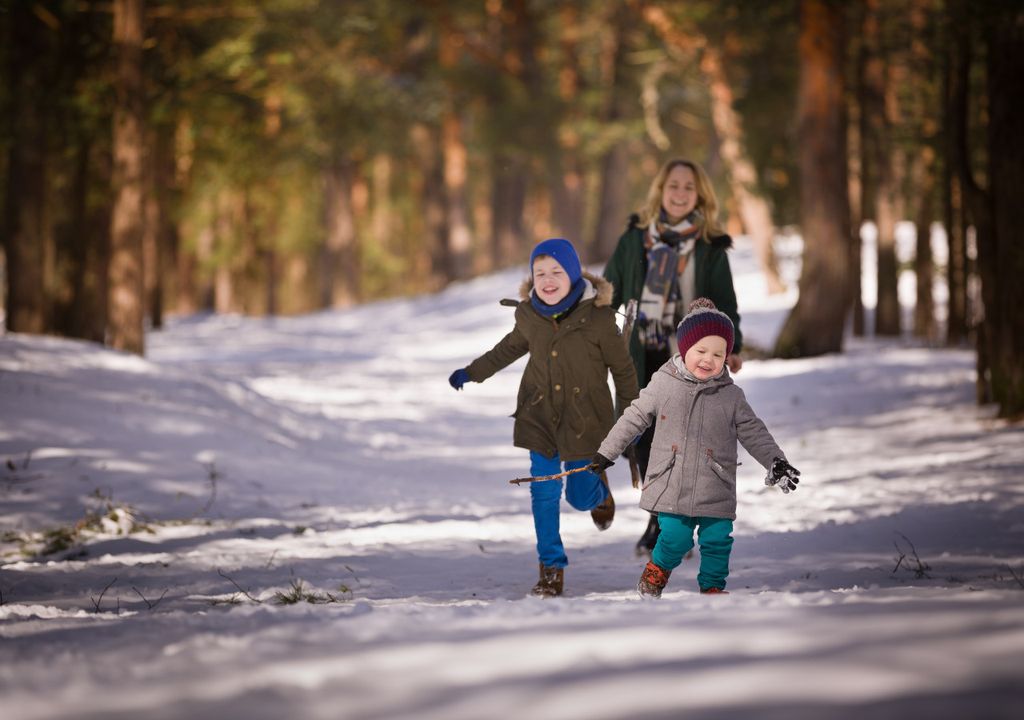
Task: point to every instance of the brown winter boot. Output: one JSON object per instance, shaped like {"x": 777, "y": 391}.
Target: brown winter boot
{"x": 652, "y": 580}
{"x": 604, "y": 513}
{"x": 713, "y": 591}
{"x": 550, "y": 582}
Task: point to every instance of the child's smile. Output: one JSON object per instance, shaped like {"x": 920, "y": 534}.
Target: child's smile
{"x": 550, "y": 281}
{"x": 706, "y": 357}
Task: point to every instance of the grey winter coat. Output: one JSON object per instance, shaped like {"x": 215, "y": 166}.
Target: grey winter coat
{"x": 692, "y": 470}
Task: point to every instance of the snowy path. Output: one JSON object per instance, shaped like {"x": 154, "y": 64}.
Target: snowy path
{"x": 260, "y": 454}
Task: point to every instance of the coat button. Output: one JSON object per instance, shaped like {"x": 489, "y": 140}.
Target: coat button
{"x": 558, "y": 387}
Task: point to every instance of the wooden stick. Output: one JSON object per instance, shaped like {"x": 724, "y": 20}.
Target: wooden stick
{"x": 548, "y": 477}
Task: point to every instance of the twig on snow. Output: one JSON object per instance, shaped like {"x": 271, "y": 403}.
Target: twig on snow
{"x": 212, "y": 474}
{"x": 240, "y": 588}
{"x": 921, "y": 571}
{"x": 1019, "y": 577}
{"x": 96, "y": 603}
{"x": 149, "y": 604}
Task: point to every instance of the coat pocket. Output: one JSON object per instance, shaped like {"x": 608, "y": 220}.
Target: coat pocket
{"x": 659, "y": 471}
{"x": 578, "y": 418}
{"x": 725, "y": 475}
{"x": 528, "y": 400}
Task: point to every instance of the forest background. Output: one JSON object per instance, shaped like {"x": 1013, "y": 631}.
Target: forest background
{"x": 286, "y": 156}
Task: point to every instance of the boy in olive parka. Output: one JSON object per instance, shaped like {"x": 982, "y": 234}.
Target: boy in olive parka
{"x": 564, "y": 409}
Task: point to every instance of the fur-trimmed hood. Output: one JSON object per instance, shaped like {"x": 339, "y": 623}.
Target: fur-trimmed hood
{"x": 598, "y": 288}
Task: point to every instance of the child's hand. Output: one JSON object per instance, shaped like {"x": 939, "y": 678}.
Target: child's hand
{"x": 599, "y": 464}
{"x": 782, "y": 474}
{"x": 458, "y": 378}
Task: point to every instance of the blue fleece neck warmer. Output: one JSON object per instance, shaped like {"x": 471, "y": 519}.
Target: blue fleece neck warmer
{"x": 575, "y": 293}
{"x": 562, "y": 251}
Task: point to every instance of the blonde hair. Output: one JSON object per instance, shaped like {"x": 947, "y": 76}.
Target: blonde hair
{"x": 707, "y": 201}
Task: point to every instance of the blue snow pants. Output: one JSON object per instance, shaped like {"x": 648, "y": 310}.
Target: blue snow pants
{"x": 583, "y": 491}
{"x": 676, "y": 539}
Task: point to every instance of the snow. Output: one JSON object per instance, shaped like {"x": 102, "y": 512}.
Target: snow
{"x": 244, "y": 458}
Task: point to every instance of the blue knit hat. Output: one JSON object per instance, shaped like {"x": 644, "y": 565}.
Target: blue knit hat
{"x": 562, "y": 251}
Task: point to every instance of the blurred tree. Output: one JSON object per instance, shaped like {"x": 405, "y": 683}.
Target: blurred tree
{"x": 613, "y": 146}
{"x": 127, "y": 302}
{"x": 999, "y": 214}
{"x": 31, "y": 31}
{"x": 877, "y": 169}
{"x": 924, "y": 82}
{"x": 815, "y": 325}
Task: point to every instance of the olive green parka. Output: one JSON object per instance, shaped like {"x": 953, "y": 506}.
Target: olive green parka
{"x": 564, "y": 402}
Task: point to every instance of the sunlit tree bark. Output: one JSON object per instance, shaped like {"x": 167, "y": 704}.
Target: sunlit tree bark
{"x": 127, "y": 304}
{"x": 815, "y": 325}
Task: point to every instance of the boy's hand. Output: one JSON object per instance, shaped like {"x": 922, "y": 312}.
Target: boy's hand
{"x": 458, "y": 378}
{"x": 782, "y": 474}
{"x": 599, "y": 464}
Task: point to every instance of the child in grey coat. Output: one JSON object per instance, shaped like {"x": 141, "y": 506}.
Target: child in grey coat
{"x": 691, "y": 478}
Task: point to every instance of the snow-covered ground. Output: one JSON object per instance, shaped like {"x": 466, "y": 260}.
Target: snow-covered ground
{"x": 183, "y": 497}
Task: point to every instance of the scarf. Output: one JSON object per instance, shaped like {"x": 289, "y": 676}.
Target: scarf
{"x": 670, "y": 283}
{"x": 553, "y": 311}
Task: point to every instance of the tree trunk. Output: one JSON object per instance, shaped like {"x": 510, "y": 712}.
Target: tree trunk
{"x": 958, "y": 61}
{"x": 25, "y": 232}
{"x": 879, "y": 151}
{"x": 429, "y": 184}
{"x": 508, "y": 201}
{"x": 614, "y": 162}
{"x": 127, "y": 301}
{"x": 510, "y": 167}
{"x": 924, "y": 183}
{"x": 923, "y": 166}
{"x": 339, "y": 262}
{"x": 566, "y": 167}
{"x": 382, "y": 214}
{"x": 1001, "y": 256}
{"x": 815, "y": 325}
{"x": 459, "y": 241}
{"x": 753, "y": 209}
{"x": 859, "y": 185}
{"x": 159, "y": 228}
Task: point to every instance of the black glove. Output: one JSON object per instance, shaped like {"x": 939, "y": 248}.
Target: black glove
{"x": 599, "y": 464}
{"x": 782, "y": 474}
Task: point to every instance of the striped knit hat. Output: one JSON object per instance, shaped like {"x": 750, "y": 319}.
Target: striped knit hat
{"x": 703, "y": 319}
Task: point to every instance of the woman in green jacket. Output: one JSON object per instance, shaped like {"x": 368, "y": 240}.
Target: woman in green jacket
{"x": 564, "y": 408}
{"x": 672, "y": 252}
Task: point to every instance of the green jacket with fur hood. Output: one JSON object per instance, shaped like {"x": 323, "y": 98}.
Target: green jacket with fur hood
{"x": 564, "y": 403}
{"x": 693, "y": 456}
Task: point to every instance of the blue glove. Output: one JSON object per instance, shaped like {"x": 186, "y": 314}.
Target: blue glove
{"x": 458, "y": 378}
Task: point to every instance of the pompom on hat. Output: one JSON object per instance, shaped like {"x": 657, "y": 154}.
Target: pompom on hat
{"x": 704, "y": 319}
{"x": 562, "y": 251}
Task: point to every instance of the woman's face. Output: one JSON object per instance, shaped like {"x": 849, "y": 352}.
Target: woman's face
{"x": 679, "y": 196}
{"x": 550, "y": 280}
